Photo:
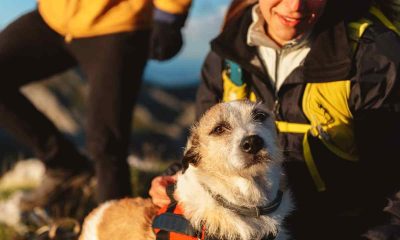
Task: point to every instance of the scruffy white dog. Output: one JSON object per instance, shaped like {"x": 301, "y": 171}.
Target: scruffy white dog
{"x": 229, "y": 185}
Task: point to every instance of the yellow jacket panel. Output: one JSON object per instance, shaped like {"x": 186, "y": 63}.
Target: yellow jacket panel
{"x": 86, "y": 18}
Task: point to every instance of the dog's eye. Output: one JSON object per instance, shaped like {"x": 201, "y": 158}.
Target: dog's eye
{"x": 220, "y": 129}
{"x": 260, "y": 116}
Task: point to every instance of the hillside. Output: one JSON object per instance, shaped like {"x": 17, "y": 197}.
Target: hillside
{"x": 159, "y": 128}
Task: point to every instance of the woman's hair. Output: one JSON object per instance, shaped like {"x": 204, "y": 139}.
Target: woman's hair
{"x": 236, "y": 8}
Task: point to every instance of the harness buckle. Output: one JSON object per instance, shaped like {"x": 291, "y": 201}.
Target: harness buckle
{"x": 324, "y": 135}
{"x": 318, "y": 131}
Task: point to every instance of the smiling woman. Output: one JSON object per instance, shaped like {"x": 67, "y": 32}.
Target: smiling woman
{"x": 303, "y": 68}
{"x": 288, "y": 20}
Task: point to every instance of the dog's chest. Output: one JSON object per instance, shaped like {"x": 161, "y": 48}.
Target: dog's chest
{"x": 170, "y": 224}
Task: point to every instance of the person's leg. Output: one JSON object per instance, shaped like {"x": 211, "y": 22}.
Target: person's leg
{"x": 30, "y": 51}
{"x": 114, "y": 66}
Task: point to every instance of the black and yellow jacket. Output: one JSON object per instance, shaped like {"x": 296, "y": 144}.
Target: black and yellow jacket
{"x": 87, "y": 18}
{"x": 356, "y": 183}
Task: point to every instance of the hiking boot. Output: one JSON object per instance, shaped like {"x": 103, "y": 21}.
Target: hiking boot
{"x": 55, "y": 187}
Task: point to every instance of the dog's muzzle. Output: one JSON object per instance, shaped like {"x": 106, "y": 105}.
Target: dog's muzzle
{"x": 251, "y": 144}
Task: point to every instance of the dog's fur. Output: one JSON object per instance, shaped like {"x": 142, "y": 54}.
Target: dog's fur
{"x": 214, "y": 162}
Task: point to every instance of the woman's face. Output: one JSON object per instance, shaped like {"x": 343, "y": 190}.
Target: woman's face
{"x": 290, "y": 19}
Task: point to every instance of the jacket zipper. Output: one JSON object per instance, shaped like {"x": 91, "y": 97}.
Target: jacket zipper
{"x": 276, "y": 106}
{"x": 72, "y": 7}
{"x": 276, "y": 110}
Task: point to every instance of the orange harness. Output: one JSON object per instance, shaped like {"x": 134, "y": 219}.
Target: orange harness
{"x": 170, "y": 224}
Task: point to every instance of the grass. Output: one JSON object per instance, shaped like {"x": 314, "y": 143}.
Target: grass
{"x": 6, "y": 193}
{"x": 7, "y": 233}
{"x": 141, "y": 182}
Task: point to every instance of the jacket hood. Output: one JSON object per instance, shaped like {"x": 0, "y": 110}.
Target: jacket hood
{"x": 231, "y": 43}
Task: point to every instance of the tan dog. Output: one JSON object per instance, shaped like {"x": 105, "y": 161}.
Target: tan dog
{"x": 230, "y": 182}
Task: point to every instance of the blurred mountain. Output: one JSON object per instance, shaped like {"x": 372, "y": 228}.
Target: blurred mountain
{"x": 159, "y": 128}
{"x": 162, "y": 119}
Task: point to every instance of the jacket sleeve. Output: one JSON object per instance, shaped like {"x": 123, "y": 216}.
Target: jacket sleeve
{"x": 173, "y": 12}
{"x": 173, "y": 6}
{"x": 210, "y": 90}
{"x": 375, "y": 103}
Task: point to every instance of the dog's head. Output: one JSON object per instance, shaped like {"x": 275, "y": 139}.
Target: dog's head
{"x": 236, "y": 137}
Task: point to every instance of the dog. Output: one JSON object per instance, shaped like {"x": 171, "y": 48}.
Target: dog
{"x": 229, "y": 187}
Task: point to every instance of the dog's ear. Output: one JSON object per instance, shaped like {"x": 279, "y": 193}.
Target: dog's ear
{"x": 191, "y": 155}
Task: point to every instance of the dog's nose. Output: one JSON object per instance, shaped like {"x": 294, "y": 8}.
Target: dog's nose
{"x": 251, "y": 144}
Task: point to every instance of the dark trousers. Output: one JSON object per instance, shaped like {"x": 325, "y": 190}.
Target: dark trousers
{"x": 113, "y": 65}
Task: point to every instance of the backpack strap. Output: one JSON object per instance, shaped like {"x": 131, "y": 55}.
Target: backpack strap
{"x": 235, "y": 87}
{"x": 376, "y": 12}
{"x": 170, "y": 222}
{"x": 356, "y": 29}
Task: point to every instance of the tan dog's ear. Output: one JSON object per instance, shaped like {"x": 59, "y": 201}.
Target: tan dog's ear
{"x": 191, "y": 155}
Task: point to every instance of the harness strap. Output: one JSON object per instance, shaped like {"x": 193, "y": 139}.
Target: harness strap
{"x": 378, "y": 14}
{"x": 357, "y": 29}
{"x": 287, "y": 127}
{"x": 171, "y": 222}
{"x": 312, "y": 167}
{"x": 162, "y": 235}
{"x": 170, "y": 189}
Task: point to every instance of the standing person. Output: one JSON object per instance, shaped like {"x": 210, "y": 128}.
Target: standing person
{"x": 332, "y": 80}
{"x": 110, "y": 42}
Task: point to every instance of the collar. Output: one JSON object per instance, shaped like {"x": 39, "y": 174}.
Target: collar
{"x": 256, "y": 211}
{"x": 256, "y": 35}
{"x": 269, "y": 237}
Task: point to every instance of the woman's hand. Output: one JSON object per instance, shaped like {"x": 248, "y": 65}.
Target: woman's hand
{"x": 158, "y": 191}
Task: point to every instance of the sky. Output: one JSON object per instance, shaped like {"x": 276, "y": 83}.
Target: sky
{"x": 203, "y": 24}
